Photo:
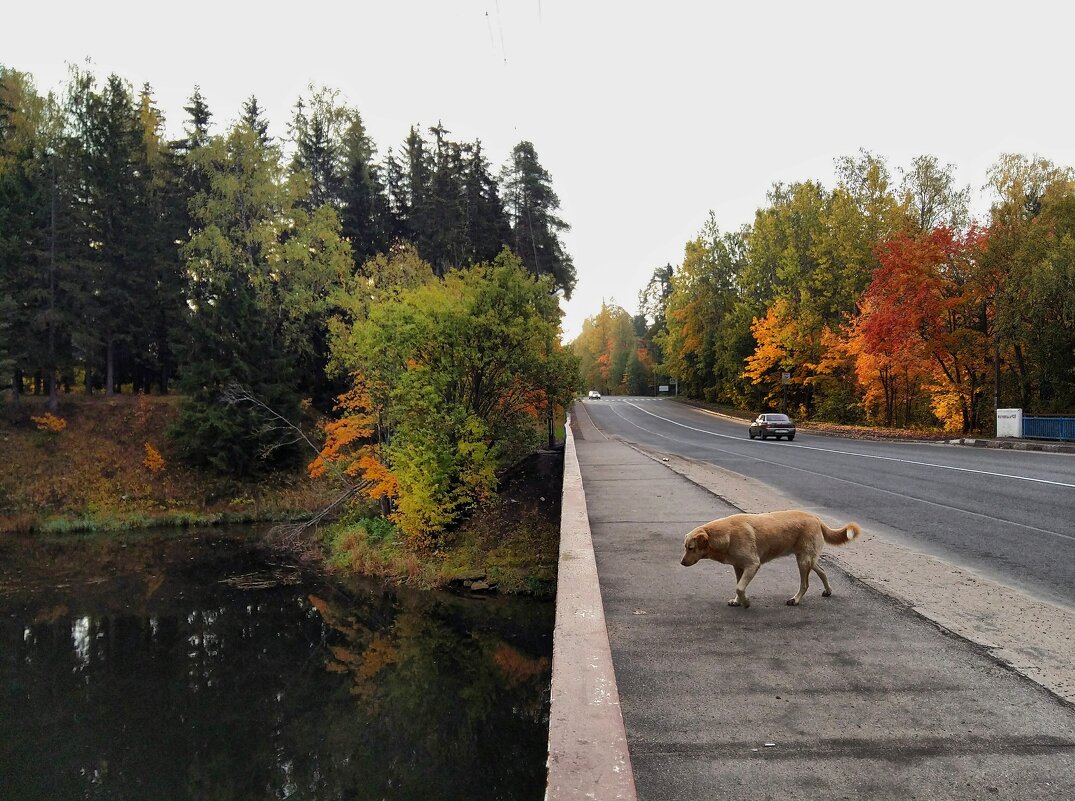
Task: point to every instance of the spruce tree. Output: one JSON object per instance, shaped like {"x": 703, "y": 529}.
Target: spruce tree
{"x": 399, "y": 205}
{"x": 113, "y": 194}
{"x": 487, "y": 227}
{"x": 161, "y": 221}
{"x": 532, "y": 205}
{"x": 254, "y": 117}
{"x": 364, "y": 214}
{"x": 416, "y": 179}
{"x": 333, "y": 149}
{"x": 199, "y": 118}
{"x": 445, "y": 227}
{"x": 25, "y": 171}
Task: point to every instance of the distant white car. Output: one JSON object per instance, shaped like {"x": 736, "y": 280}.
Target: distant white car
{"x": 594, "y": 395}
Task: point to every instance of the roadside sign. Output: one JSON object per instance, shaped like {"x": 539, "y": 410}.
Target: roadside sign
{"x": 785, "y": 378}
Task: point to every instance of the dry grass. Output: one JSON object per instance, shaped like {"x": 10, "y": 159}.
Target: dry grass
{"x": 93, "y": 474}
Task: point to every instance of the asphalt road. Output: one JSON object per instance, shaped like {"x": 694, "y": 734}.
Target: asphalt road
{"x": 855, "y": 696}
{"x": 1010, "y": 515}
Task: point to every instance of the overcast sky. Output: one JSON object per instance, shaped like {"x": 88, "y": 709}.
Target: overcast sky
{"x": 647, "y": 115}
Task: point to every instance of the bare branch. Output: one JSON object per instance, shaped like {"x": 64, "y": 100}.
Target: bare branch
{"x": 235, "y": 394}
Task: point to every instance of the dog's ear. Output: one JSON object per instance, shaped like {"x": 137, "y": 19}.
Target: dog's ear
{"x": 701, "y": 540}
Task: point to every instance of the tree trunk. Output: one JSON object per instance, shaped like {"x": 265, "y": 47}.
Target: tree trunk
{"x": 996, "y": 375}
{"x": 16, "y": 387}
{"x": 908, "y": 398}
{"x": 110, "y": 369}
{"x": 54, "y": 397}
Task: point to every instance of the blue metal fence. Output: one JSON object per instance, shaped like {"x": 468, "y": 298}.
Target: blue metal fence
{"x": 1062, "y": 428}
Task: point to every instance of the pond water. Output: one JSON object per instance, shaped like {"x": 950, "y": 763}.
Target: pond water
{"x": 194, "y": 666}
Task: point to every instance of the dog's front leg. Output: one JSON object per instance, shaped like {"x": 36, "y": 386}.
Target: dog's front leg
{"x": 738, "y": 576}
{"x": 744, "y": 577}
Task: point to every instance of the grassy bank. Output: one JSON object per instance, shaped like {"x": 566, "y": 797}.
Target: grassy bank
{"x": 105, "y": 464}
{"x": 510, "y": 545}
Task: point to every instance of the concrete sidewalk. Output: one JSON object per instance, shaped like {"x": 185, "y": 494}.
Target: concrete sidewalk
{"x": 853, "y": 696}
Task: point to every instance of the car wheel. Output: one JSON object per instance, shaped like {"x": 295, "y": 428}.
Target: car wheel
{"x": 751, "y": 434}
{"x": 791, "y": 437}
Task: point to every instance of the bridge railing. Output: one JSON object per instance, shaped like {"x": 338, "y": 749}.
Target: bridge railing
{"x": 1040, "y": 427}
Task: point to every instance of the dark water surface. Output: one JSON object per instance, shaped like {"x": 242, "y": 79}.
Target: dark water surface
{"x": 195, "y": 667}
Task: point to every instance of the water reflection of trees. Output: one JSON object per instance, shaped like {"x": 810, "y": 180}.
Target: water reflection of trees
{"x": 225, "y": 694}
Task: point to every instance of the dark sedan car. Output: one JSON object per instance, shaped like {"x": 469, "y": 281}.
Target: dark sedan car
{"x": 772, "y": 425}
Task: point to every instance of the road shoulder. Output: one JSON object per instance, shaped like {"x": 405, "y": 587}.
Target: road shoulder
{"x": 1033, "y": 637}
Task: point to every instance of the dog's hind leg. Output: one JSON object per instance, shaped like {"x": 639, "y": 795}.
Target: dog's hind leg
{"x": 824, "y": 580}
{"x": 740, "y": 598}
{"x": 806, "y": 564}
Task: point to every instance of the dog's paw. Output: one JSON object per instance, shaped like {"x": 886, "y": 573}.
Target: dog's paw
{"x": 792, "y": 602}
{"x": 826, "y": 593}
{"x": 734, "y": 602}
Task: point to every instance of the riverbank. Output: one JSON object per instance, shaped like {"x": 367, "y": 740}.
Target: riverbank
{"x": 105, "y": 465}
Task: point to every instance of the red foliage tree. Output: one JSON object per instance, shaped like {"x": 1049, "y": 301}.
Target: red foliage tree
{"x": 930, "y": 299}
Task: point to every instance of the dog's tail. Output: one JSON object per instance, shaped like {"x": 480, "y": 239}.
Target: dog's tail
{"x": 840, "y": 536}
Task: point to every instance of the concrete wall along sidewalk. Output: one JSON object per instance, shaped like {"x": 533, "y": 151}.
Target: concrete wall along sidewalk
{"x": 588, "y": 756}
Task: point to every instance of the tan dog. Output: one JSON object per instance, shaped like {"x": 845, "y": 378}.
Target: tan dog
{"x": 746, "y": 542}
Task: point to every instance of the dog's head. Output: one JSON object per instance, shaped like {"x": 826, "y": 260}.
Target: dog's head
{"x": 695, "y": 546}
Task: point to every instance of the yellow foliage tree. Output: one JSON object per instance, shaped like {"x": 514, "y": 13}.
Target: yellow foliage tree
{"x": 153, "y": 462}
{"x": 50, "y": 422}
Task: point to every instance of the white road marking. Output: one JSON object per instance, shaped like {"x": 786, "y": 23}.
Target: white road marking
{"x": 869, "y": 456}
